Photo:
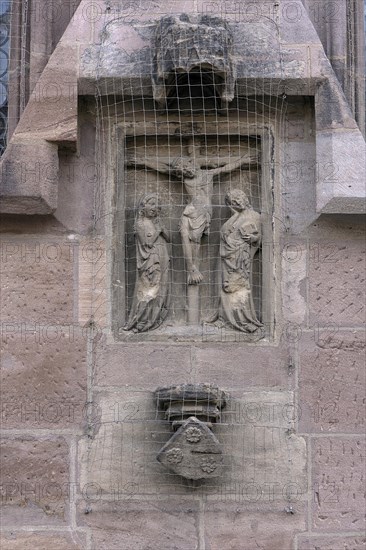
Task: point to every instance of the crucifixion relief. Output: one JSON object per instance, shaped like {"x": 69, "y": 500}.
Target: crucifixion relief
{"x": 198, "y": 173}
{"x": 180, "y": 278}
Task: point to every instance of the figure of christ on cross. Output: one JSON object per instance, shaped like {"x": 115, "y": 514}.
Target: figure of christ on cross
{"x": 197, "y": 174}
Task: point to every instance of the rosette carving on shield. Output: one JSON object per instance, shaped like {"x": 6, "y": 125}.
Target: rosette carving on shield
{"x": 174, "y": 456}
{"x": 193, "y": 451}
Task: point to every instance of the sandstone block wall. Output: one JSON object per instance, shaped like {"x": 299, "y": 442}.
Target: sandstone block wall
{"x": 80, "y": 428}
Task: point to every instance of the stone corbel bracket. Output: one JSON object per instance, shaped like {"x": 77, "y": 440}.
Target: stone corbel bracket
{"x": 188, "y": 43}
{"x": 193, "y": 451}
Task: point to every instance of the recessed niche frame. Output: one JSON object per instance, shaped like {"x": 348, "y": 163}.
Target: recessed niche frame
{"x": 125, "y": 192}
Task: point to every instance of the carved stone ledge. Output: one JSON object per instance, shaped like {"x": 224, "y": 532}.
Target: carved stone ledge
{"x": 29, "y": 177}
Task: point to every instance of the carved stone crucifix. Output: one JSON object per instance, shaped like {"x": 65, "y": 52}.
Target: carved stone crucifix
{"x": 197, "y": 173}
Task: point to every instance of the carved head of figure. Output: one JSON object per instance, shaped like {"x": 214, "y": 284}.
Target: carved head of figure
{"x": 183, "y": 168}
{"x": 148, "y": 206}
{"x": 237, "y": 200}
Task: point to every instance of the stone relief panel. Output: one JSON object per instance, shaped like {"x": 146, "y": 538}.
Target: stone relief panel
{"x": 188, "y": 232}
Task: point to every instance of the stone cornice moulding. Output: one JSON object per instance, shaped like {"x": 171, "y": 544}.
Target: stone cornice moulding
{"x": 109, "y": 51}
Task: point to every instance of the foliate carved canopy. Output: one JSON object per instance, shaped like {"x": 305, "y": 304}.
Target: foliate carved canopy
{"x": 190, "y": 44}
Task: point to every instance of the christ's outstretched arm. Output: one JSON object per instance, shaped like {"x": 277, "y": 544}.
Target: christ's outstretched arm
{"x": 156, "y": 165}
{"x": 230, "y": 166}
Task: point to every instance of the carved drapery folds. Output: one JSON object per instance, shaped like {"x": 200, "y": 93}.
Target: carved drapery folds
{"x": 151, "y": 295}
{"x": 198, "y": 46}
{"x": 240, "y": 238}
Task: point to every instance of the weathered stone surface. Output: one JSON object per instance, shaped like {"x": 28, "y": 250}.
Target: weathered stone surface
{"x": 29, "y": 178}
{"x": 340, "y": 150}
{"x": 255, "y": 429}
{"x": 43, "y": 377}
{"x": 340, "y": 28}
{"x": 93, "y": 282}
{"x": 298, "y": 175}
{"x": 265, "y": 526}
{"x": 13, "y": 540}
{"x": 332, "y": 112}
{"x": 51, "y": 113}
{"x": 190, "y": 262}
{"x": 231, "y": 366}
{"x": 151, "y": 297}
{"x": 293, "y": 282}
{"x": 77, "y": 177}
{"x": 36, "y": 281}
{"x": 295, "y": 26}
{"x": 54, "y": 19}
{"x": 236, "y": 307}
{"x": 160, "y": 365}
{"x": 142, "y": 525}
{"x": 145, "y": 366}
{"x": 121, "y": 457}
{"x": 204, "y": 401}
{"x": 336, "y": 281}
{"x": 255, "y": 30}
{"x": 47, "y": 24}
{"x": 34, "y": 480}
{"x": 341, "y": 174}
{"x": 329, "y": 21}
{"x": 33, "y": 225}
{"x": 332, "y": 381}
{"x": 328, "y": 542}
{"x": 338, "y": 474}
{"x": 281, "y": 56}
{"x": 256, "y": 432}
{"x": 329, "y": 229}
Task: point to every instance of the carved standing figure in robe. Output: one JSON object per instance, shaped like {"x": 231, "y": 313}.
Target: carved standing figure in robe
{"x": 240, "y": 238}
{"x": 151, "y": 295}
{"x": 197, "y": 175}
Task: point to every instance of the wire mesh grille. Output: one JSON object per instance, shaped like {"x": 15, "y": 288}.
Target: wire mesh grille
{"x": 186, "y": 154}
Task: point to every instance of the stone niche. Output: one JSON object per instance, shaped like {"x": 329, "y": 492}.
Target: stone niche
{"x": 191, "y": 195}
{"x": 211, "y": 143}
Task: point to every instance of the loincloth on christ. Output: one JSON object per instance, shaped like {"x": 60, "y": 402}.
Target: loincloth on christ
{"x": 196, "y": 221}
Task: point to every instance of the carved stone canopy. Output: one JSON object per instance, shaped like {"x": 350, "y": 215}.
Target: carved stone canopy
{"x": 197, "y": 48}
{"x": 204, "y": 401}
